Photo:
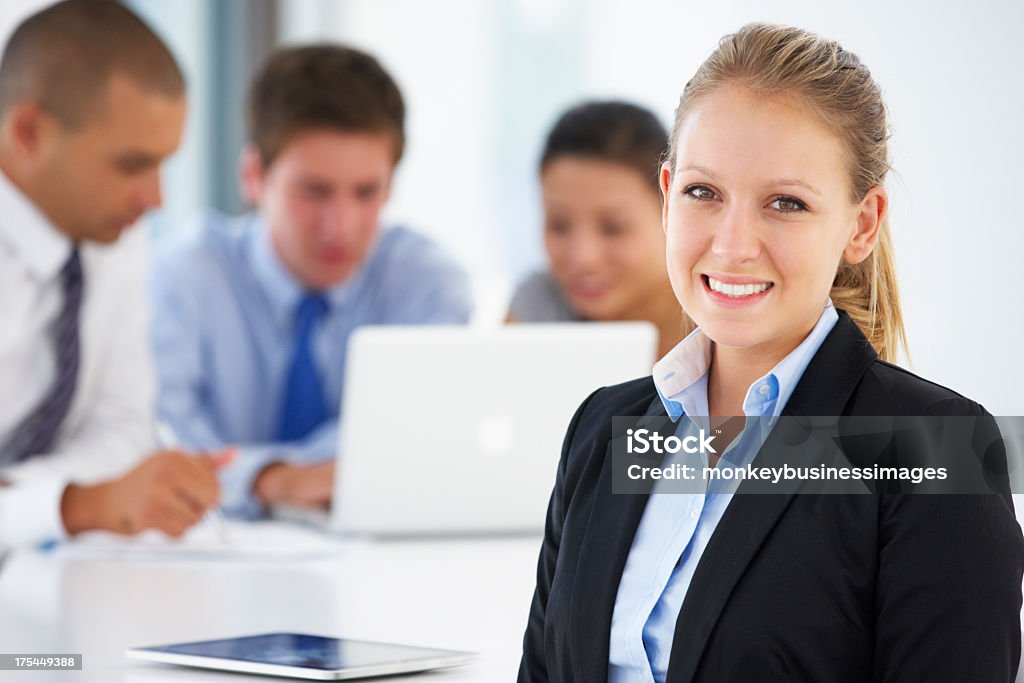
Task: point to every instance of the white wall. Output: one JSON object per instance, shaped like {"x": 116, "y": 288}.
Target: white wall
{"x": 13, "y": 12}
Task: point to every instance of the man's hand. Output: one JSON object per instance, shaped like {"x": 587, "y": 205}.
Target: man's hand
{"x": 307, "y": 486}
{"x": 169, "y": 491}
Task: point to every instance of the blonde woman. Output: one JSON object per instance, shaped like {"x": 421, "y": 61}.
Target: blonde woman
{"x": 778, "y": 248}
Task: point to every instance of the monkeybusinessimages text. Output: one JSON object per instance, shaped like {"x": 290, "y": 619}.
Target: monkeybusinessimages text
{"x": 643, "y": 441}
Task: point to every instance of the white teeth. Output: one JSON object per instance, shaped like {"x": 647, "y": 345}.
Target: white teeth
{"x": 737, "y": 290}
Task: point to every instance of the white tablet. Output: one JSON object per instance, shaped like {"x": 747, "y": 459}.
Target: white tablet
{"x": 302, "y": 656}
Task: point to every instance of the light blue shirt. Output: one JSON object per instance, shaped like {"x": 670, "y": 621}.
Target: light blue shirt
{"x": 676, "y": 527}
{"x": 222, "y": 335}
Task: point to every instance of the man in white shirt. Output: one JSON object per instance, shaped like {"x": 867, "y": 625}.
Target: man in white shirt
{"x": 91, "y": 102}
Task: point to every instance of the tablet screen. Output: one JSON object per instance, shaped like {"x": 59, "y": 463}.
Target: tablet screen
{"x": 298, "y": 650}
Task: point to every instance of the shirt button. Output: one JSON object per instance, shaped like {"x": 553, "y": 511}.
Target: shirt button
{"x": 694, "y": 514}
{"x": 764, "y": 390}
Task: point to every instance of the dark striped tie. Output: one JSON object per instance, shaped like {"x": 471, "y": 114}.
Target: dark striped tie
{"x": 37, "y": 432}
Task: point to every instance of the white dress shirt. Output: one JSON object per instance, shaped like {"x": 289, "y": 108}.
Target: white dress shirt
{"x": 109, "y": 425}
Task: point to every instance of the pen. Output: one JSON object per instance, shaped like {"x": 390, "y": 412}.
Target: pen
{"x": 214, "y": 517}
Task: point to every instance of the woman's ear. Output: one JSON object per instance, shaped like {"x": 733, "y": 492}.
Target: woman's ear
{"x": 250, "y": 174}
{"x": 870, "y": 215}
{"x": 665, "y": 181}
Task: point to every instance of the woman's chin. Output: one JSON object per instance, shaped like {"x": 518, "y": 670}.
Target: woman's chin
{"x": 593, "y": 308}
{"x": 735, "y": 335}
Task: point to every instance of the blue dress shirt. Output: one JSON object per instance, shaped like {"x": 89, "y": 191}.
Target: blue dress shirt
{"x": 676, "y": 527}
{"x": 223, "y": 336}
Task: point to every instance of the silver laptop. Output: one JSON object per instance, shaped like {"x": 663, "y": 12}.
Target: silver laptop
{"x": 458, "y": 430}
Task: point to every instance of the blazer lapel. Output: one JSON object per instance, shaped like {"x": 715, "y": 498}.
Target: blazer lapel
{"x": 824, "y": 389}
{"x": 606, "y": 544}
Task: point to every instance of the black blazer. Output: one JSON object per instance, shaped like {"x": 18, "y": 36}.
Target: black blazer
{"x": 883, "y": 587}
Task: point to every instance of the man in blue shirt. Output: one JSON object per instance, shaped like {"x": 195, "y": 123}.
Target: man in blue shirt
{"x": 253, "y": 314}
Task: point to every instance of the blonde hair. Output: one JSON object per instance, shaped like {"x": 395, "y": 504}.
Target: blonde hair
{"x": 779, "y": 61}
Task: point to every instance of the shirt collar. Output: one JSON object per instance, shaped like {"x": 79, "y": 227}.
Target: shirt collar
{"x": 283, "y": 290}
{"x": 30, "y": 234}
{"x": 681, "y": 376}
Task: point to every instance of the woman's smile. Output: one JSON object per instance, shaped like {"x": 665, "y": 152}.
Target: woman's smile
{"x": 735, "y": 291}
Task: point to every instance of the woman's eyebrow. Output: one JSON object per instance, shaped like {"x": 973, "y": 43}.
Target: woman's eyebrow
{"x": 794, "y": 181}
{"x": 698, "y": 169}
{"x": 778, "y": 181}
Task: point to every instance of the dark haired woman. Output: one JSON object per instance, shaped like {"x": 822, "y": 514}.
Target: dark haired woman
{"x": 602, "y": 224}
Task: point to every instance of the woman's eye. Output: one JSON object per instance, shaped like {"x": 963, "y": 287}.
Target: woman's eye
{"x": 701, "y": 193}
{"x": 612, "y": 229}
{"x": 787, "y": 204}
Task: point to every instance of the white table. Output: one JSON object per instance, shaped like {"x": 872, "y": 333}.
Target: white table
{"x": 470, "y": 594}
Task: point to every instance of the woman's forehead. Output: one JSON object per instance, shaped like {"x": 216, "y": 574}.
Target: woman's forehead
{"x": 736, "y": 135}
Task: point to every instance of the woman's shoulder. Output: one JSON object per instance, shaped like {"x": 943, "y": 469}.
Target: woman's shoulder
{"x": 888, "y": 389}
{"x": 627, "y": 394}
{"x": 538, "y": 298}
{"x": 591, "y": 428}
{"x": 593, "y": 419}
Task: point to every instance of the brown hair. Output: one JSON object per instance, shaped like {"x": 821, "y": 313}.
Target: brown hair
{"x": 618, "y": 132}
{"x": 64, "y": 55}
{"x": 780, "y": 60}
{"x": 322, "y": 86}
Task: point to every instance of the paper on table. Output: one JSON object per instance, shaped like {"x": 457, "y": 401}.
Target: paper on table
{"x": 250, "y": 541}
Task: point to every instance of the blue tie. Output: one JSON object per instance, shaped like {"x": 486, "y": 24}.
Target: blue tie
{"x": 37, "y": 433}
{"x": 304, "y": 407}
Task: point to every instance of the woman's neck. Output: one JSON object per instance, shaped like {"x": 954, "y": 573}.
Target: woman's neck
{"x": 732, "y": 372}
{"x": 734, "y": 369}
{"x": 729, "y": 378}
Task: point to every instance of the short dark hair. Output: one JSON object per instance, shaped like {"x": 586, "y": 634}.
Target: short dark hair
{"x": 322, "y": 86}
{"x": 64, "y": 55}
{"x": 614, "y": 131}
